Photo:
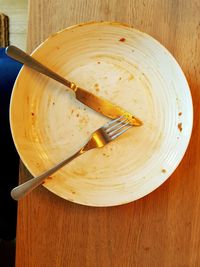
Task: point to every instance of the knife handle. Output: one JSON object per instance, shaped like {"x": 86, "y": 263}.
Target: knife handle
{"x": 19, "y": 55}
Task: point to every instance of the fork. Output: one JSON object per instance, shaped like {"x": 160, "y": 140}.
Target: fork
{"x": 104, "y": 135}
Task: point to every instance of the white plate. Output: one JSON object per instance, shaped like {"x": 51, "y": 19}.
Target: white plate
{"x": 129, "y": 68}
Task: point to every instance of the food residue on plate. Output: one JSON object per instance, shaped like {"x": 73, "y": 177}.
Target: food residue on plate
{"x": 122, "y": 39}
{"x": 106, "y": 155}
{"x": 180, "y": 126}
{"x": 180, "y": 113}
{"x": 131, "y": 77}
{"x": 84, "y": 120}
{"x": 96, "y": 86}
{"x": 164, "y": 171}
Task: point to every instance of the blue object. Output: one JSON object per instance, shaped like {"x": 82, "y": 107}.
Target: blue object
{"x": 9, "y": 70}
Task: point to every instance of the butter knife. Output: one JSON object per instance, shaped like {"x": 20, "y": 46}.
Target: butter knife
{"x": 97, "y": 103}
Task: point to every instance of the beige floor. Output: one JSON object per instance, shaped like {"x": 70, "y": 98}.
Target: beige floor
{"x": 17, "y": 11}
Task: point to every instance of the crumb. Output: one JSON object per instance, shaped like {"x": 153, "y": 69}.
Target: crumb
{"x": 32, "y": 113}
{"x": 180, "y": 127}
{"x": 77, "y": 115}
{"x": 73, "y": 192}
{"x": 122, "y": 39}
{"x": 180, "y": 113}
{"x": 72, "y": 111}
{"x": 164, "y": 171}
{"x": 98, "y": 62}
{"x": 53, "y": 103}
{"x": 120, "y": 78}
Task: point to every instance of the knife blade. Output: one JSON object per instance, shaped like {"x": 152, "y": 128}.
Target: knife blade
{"x": 104, "y": 107}
{"x": 97, "y": 103}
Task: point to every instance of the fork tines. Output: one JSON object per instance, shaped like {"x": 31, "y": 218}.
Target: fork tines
{"x": 117, "y": 127}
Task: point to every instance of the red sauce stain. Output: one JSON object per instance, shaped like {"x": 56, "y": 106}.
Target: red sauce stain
{"x": 180, "y": 127}
{"x": 122, "y": 39}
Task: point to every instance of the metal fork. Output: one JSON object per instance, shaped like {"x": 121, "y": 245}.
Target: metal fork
{"x": 104, "y": 135}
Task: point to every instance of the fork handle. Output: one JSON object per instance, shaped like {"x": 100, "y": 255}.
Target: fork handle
{"x": 19, "y": 55}
{"x": 25, "y": 188}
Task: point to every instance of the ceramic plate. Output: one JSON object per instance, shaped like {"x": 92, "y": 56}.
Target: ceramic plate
{"x": 127, "y": 67}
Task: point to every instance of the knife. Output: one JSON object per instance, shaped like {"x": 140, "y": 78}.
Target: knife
{"x": 97, "y": 103}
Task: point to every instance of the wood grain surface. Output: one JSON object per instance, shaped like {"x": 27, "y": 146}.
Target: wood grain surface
{"x": 161, "y": 229}
{"x": 4, "y": 39}
{"x": 17, "y": 14}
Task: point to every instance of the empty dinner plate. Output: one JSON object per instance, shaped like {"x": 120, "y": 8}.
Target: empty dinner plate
{"x": 125, "y": 66}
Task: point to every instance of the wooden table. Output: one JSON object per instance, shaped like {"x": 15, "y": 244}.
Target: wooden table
{"x": 161, "y": 229}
